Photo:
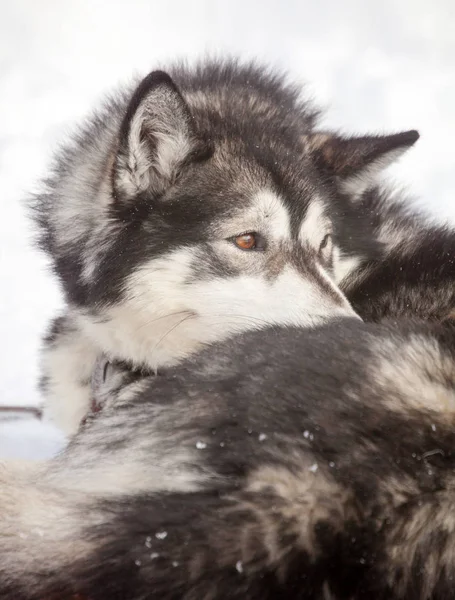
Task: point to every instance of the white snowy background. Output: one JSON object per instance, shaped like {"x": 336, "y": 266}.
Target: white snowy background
{"x": 382, "y": 65}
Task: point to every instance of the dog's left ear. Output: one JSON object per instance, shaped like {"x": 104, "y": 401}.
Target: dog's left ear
{"x": 356, "y": 162}
{"x": 156, "y": 140}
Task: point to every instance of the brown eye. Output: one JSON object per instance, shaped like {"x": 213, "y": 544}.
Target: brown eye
{"x": 247, "y": 241}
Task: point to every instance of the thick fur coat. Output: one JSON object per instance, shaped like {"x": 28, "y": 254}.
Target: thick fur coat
{"x": 282, "y": 463}
{"x": 145, "y": 207}
{"x": 256, "y": 438}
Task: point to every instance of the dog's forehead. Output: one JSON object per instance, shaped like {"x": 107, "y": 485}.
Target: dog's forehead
{"x": 305, "y": 222}
{"x": 315, "y": 222}
{"x": 241, "y": 193}
{"x": 268, "y": 208}
{"x": 269, "y": 211}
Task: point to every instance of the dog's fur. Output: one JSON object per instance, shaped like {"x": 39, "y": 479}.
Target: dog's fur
{"x": 141, "y": 210}
{"x": 281, "y": 463}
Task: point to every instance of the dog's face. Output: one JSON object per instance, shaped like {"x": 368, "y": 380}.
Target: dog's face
{"x": 210, "y": 234}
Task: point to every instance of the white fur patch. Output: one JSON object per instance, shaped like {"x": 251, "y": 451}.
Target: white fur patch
{"x": 68, "y": 364}
{"x": 149, "y": 326}
{"x": 250, "y": 302}
{"x": 269, "y": 209}
{"x": 315, "y": 224}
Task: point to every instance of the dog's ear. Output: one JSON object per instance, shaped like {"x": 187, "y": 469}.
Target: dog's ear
{"x": 356, "y": 162}
{"x": 156, "y": 139}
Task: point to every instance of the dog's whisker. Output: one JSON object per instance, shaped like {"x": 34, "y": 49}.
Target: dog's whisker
{"x": 169, "y": 332}
{"x": 162, "y": 317}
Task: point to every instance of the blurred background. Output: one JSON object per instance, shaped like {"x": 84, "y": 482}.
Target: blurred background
{"x": 377, "y": 66}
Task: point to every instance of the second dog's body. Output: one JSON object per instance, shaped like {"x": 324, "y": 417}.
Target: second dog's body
{"x": 283, "y": 463}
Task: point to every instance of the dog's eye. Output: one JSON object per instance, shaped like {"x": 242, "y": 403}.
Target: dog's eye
{"x": 246, "y": 241}
{"x": 325, "y": 249}
{"x": 325, "y": 241}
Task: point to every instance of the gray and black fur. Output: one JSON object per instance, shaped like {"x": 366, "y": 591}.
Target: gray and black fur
{"x": 174, "y": 167}
{"x": 295, "y": 464}
{"x": 409, "y": 276}
{"x": 299, "y": 461}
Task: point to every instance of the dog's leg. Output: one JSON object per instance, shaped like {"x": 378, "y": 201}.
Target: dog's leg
{"x": 68, "y": 360}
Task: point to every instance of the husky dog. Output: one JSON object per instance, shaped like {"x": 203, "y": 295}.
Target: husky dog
{"x": 204, "y": 203}
{"x": 282, "y": 463}
{"x": 289, "y": 459}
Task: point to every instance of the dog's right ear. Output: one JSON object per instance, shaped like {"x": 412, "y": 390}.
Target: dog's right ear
{"x": 355, "y": 162}
{"x": 156, "y": 139}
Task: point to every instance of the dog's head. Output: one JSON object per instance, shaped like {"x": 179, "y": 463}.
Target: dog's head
{"x": 216, "y": 214}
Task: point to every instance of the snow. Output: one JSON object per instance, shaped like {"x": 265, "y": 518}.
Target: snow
{"x": 161, "y": 535}
{"x": 381, "y": 66}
